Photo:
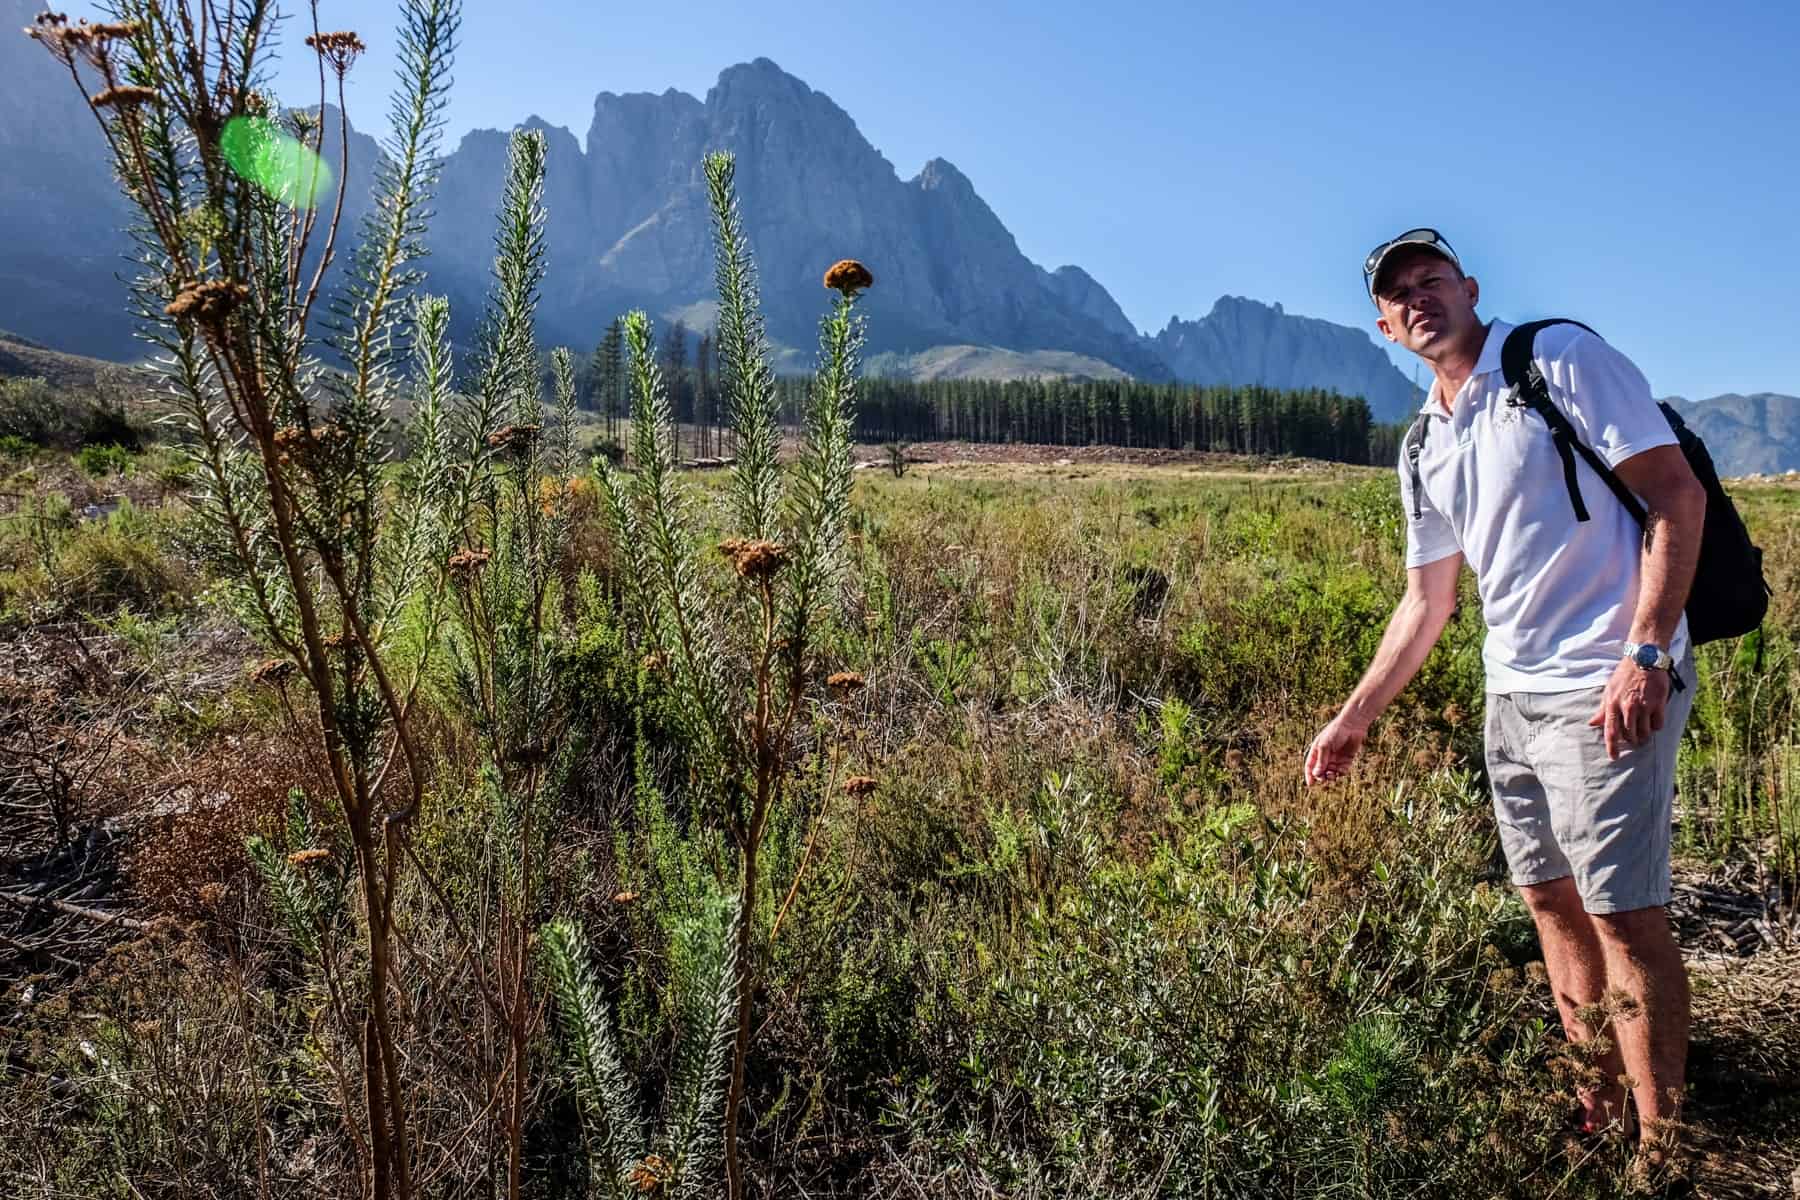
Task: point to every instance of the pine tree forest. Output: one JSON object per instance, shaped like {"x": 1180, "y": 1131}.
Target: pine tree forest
{"x": 1227, "y": 419}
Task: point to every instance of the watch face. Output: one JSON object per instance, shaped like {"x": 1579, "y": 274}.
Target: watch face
{"x": 1646, "y": 656}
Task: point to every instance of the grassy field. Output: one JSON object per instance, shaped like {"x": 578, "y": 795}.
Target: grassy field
{"x": 1077, "y": 930}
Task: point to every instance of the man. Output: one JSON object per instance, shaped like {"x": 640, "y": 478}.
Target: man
{"x": 1581, "y": 739}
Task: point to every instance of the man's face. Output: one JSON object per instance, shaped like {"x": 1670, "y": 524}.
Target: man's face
{"x": 1425, "y": 305}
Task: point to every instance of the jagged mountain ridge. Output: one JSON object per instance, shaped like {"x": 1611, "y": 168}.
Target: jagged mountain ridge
{"x": 628, "y": 227}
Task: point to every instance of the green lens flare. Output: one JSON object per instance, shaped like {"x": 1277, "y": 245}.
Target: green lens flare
{"x": 275, "y": 161}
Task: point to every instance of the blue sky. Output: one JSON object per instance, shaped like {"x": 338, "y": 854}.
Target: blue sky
{"x": 1633, "y": 165}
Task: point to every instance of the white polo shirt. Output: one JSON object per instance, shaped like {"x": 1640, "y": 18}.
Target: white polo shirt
{"x": 1558, "y": 594}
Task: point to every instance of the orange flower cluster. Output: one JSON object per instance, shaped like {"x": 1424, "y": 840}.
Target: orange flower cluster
{"x": 307, "y": 442}
{"x": 576, "y": 494}
{"x": 272, "y": 670}
{"x": 858, "y": 786}
{"x": 301, "y": 858}
{"x": 650, "y": 1174}
{"x": 466, "y": 562}
{"x": 123, "y": 97}
{"x": 754, "y": 559}
{"x": 848, "y": 277}
{"x": 516, "y": 437}
{"x": 209, "y": 303}
{"x": 845, "y": 683}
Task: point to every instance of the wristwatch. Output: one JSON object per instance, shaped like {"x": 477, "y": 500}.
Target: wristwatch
{"x": 1649, "y": 656}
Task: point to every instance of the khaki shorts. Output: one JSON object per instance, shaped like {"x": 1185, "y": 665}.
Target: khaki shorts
{"x": 1565, "y": 809}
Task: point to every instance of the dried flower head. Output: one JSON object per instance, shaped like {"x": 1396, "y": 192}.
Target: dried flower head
{"x": 845, "y": 683}
{"x": 1234, "y": 760}
{"x": 466, "y": 562}
{"x": 302, "y": 858}
{"x": 1424, "y": 759}
{"x": 1621, "y": 1005}
{"x": 339, "y": 49}
{"x": 754, "y": 559}
{"x": 310, "y": 443}
{"x": 859, "y": 786}
{"x": 624, "y": 897}
{"x": 1455, "y": 714}
{"x": 209, "y": 303}
{"x": 848, "y": 277}
{"x": 123, "y": 97}
{"x": 273, "y": 670}
{"x": 211, "y": 893}
{"x": 1537, "y": 972}
{"x": 64, "y": 41}
{"x": 650, "y": 1174}
{"x": 334, "y": 641}
{"x": 515, "y": 437}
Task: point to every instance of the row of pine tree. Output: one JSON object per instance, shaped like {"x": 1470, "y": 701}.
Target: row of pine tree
{"x": 1232, "y": 419}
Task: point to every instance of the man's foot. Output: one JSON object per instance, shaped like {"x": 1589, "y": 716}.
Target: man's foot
{"x": 1601, "y": 1115}
{"x": 1660, "y": 1168}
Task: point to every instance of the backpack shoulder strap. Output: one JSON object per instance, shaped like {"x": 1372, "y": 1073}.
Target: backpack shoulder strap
{"x": 1415, "y": 442}
{"x": 1530, "y": 390}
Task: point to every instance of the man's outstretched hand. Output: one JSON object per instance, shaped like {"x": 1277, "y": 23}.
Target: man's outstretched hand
{"x": 1331, "y": 753}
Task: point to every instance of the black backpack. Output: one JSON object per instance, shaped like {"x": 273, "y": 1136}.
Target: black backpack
{"x": 1730, "y": 596}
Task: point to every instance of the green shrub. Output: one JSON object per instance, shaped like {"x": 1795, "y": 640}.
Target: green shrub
{"x": 35, "y": 412}
{"x": 1215, "y": 1020}
{"x": 118, "y": 562}
{"x": 103, "y": 460}
{"x": 41, "y": 414}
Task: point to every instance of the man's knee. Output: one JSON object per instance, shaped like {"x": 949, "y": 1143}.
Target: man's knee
{"x": 1553, "y": 898}
{"x": 1638, "y": 929}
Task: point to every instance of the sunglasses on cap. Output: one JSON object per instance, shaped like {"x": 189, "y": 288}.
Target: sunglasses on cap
{"x": 1418, "y": 237}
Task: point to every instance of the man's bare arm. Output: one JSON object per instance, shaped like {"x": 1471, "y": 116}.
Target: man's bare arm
{"x": 1632, "y": 707}
{"x": 1412, "y": 631}
{"x": 1674, "y": 516}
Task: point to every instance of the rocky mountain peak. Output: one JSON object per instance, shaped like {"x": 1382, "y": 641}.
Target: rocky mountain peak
{"x": 1247, "y": 341}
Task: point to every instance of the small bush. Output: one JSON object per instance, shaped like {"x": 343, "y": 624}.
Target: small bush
{"x": 117, "y": 562}
{"x": 896, "y": 457}
{"x": 607, "y": 448}
{"x": 40, "y": 414}
{"x": 106, "y": 423}
{"x": 104, "y": 460}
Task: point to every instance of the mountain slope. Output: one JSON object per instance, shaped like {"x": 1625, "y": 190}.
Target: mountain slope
{"x": 1758, "y": 433}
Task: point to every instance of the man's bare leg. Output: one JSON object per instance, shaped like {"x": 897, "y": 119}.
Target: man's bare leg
{"x": 1643, "y": 961}
{"x": 1574, "y": 958}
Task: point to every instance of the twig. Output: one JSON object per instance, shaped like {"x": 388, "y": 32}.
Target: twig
{"x": 76, "y": 910}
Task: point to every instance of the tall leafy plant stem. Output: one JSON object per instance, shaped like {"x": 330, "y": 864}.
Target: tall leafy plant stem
{"x": 749, "y": 381}
{"x": 303, "y": 527}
